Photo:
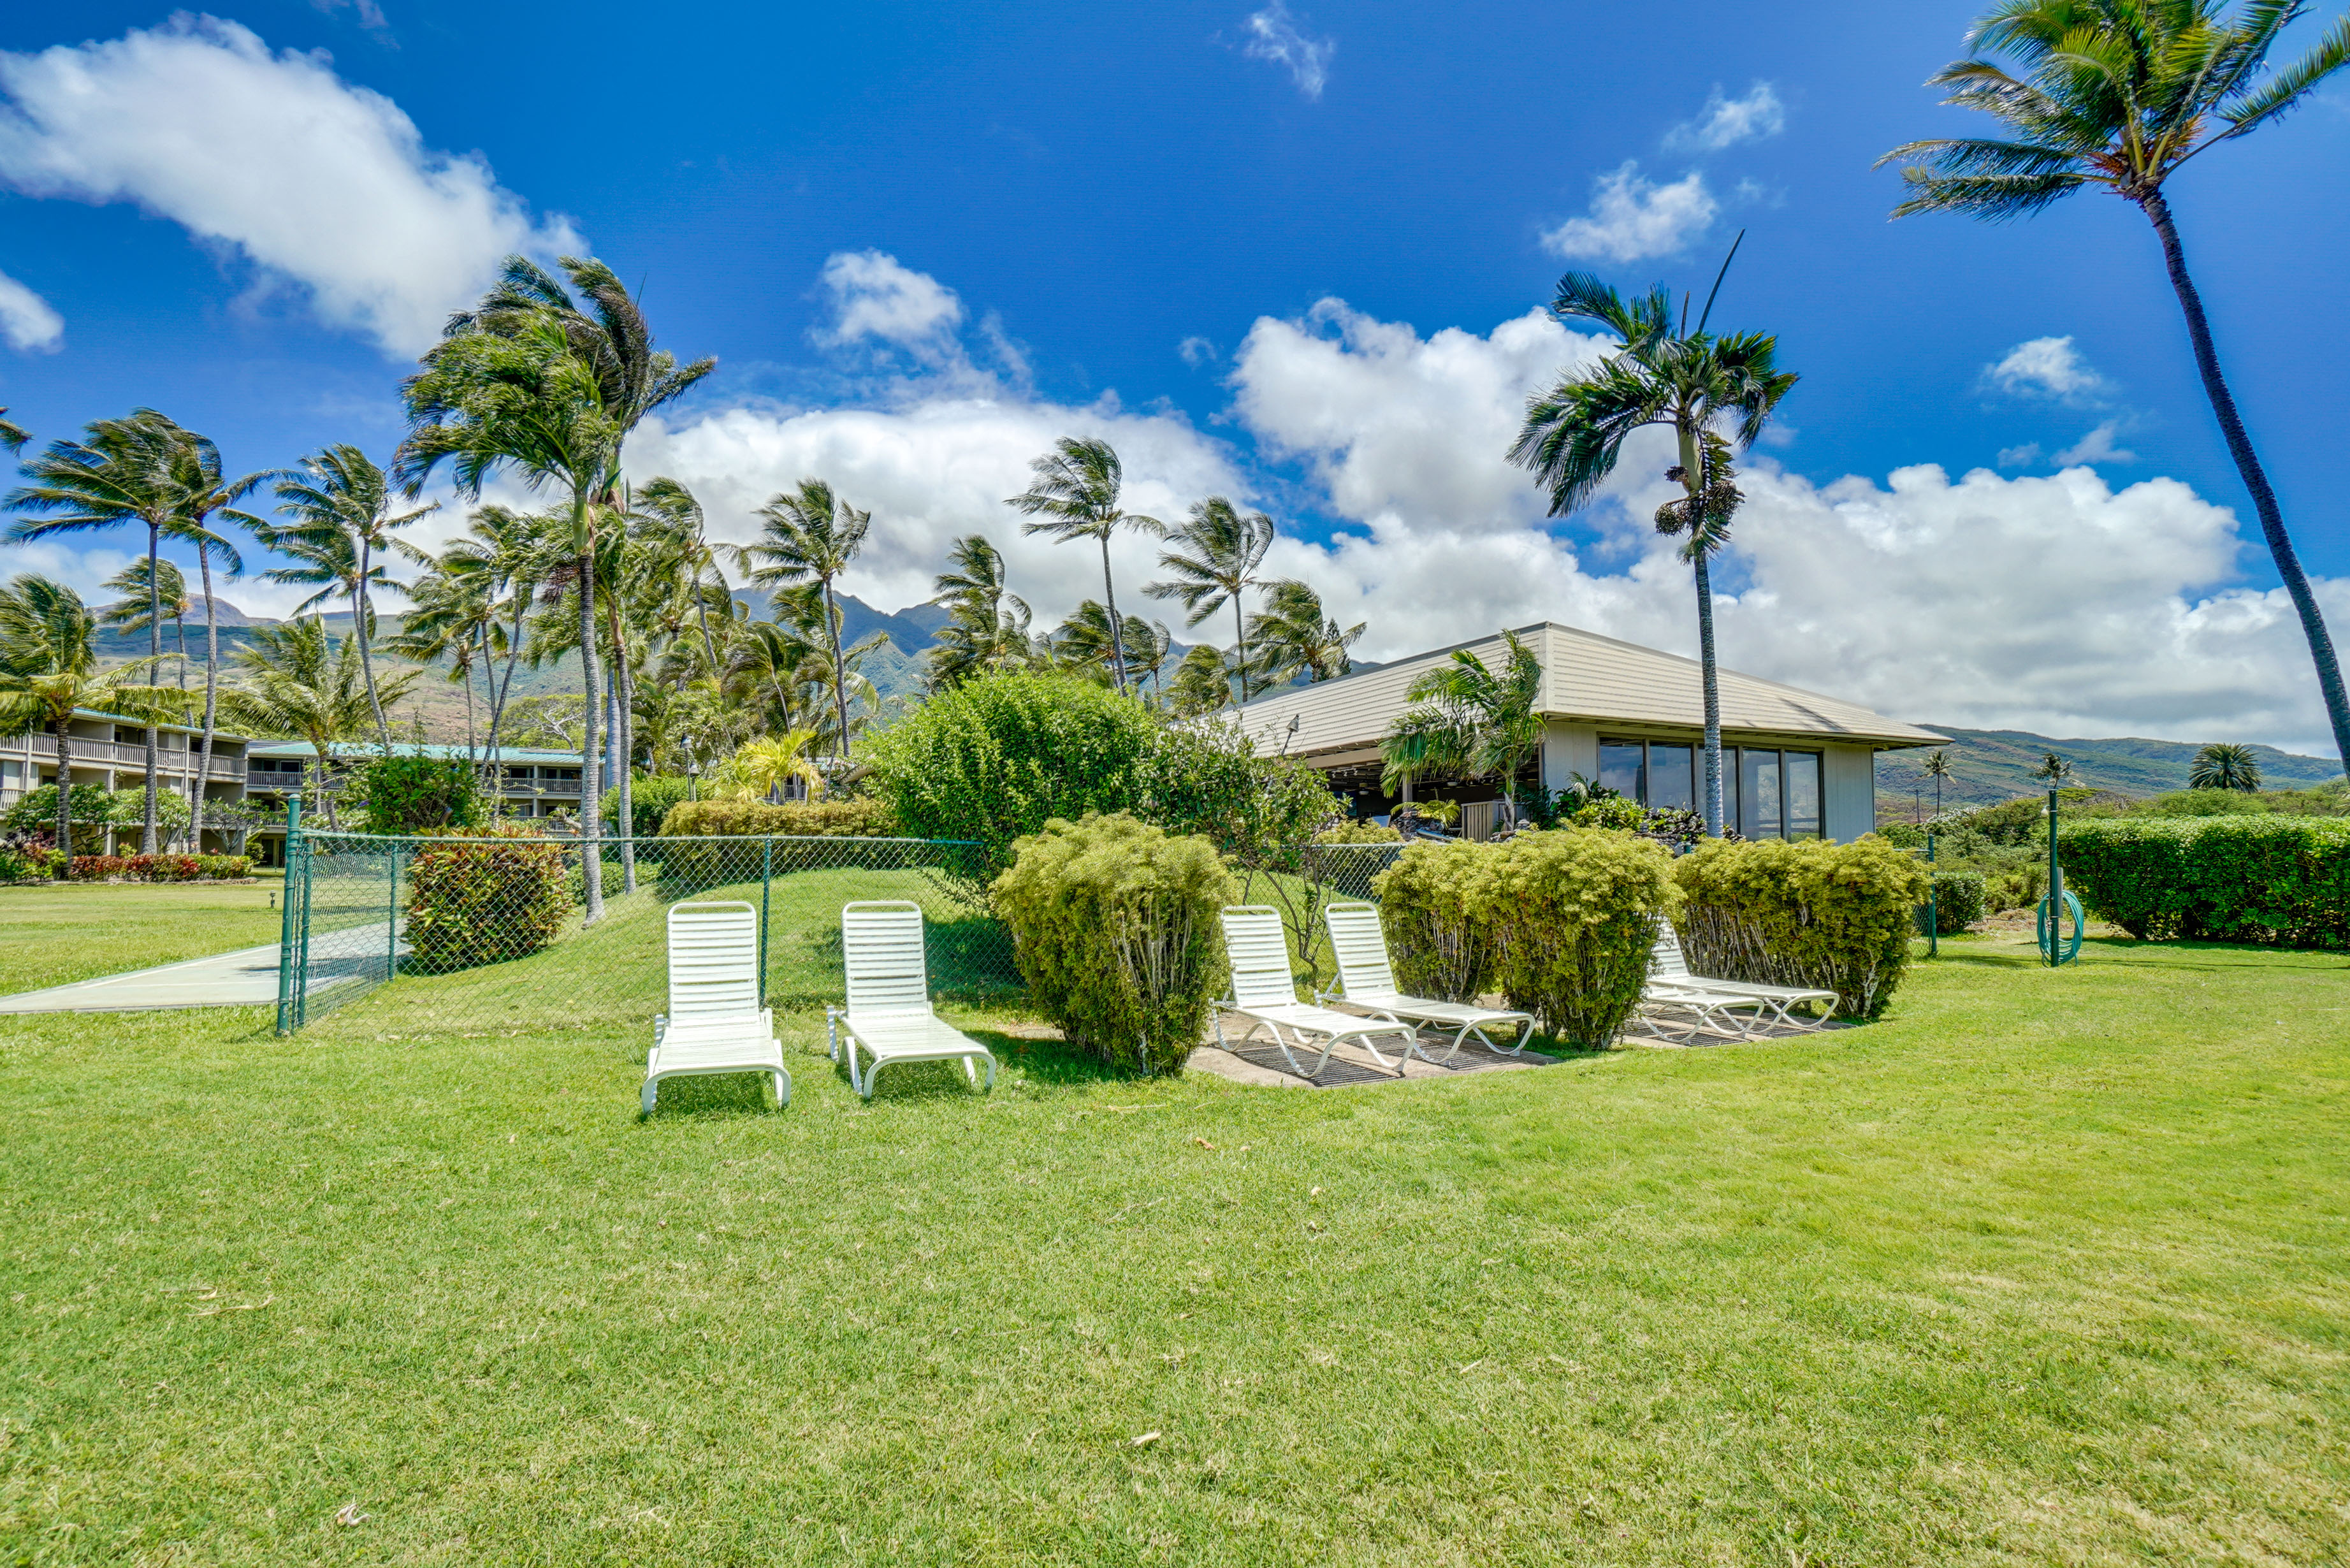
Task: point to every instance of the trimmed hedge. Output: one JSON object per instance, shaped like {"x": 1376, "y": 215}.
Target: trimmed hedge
{"x": 2281, "y": 881}
{"x": 1832, "y": 917}
{"x": 1960, "y": 901}
{"x": 1428, "y": 903}
{"x": 1115, "y": 927}
{"x": 860, "y": 818}
{"x": 1573, "y": 915}
{"x": 498, "y": 894}
{"x": 650, "y": 800}
{"x": 154, "y": 867}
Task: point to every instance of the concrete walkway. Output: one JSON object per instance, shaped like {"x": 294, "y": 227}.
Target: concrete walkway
{"x": 246, "y": 977}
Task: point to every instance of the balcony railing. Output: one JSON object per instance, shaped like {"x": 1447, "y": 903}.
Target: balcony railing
{"x": 115, "y": 754}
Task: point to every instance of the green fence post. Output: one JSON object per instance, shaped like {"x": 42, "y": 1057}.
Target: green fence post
{"x": 1933, "y": 916}
{"x": 285, "y": 926}
{"x": 392, "y": 913}
{"x": 766, "y": 877}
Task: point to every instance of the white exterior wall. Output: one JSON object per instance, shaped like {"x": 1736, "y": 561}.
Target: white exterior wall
{"x": 1568, "y": 749}
{"x": 1848, "y": 791}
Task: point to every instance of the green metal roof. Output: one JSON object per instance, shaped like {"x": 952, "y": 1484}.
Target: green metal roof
{"x": 358, "y": 749}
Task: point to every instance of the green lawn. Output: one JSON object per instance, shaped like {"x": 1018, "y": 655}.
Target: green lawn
{"x": 2047, "y": 1267}
{"x": 56, "y": 933}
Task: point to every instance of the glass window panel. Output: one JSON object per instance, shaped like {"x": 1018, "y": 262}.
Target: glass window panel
{"x": 1758, "y": 793}
{"x": 1729, "y": 785}
{"x": 1619, "y": 767}
{"x": 1669, "y": 776}
{"x": 1803, "y": 794}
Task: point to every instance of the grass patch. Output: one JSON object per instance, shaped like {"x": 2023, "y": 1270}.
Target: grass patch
{"x": 57, "y": 933}
{"x": 2047, "y": 1266}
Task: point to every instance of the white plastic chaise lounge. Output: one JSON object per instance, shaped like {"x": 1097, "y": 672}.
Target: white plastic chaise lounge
{"x": 1671, "y": 972}
{"x": 714, "y": 1022}
{"x": 1366, "y": 980}
{"x": 1265, "y": 992}
{"x": 889, "y": 1017}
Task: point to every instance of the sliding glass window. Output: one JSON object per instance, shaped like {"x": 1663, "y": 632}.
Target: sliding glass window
{"x": 1759, "y": 794}
{"x": 1766, "y": 793}
{"x": 1623, "y": 770}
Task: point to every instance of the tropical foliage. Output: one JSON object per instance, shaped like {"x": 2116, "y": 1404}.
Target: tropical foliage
{"x": 1806, "y": 912}
{"x": 2224, "y": 766}
{"x": 2280, "y": 880}
{"x": 1467, "y": 718}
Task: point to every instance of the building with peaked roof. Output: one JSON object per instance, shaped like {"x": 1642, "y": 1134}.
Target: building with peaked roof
{"x": 1795, "y": 764}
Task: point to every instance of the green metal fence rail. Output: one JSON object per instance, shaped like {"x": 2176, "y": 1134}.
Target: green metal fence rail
{"x": 489, "y": 937}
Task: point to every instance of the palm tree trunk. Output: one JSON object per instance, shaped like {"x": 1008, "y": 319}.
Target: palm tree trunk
{"x": 2255, "y": 478}
{"x": 1240, "y": 648}
{"x": 180, "y": 625}
{"x": 591, "y": 797}
{"x": 839, "y": 679}
{"x": 212, "y": 703}
{"x": 1712, "y": 698}
{"x": 147, "y": 845}
{"x": 64, "y": 792}
{"x": 1110, "y": 597}
{"x": 366, "y": 656}
{"x": 623, "y": 747}
{"x": 500, "y": 691}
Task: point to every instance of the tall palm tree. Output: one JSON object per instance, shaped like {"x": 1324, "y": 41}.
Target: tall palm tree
{"x": 1201, "y": 683}
{"x": 2118, "y": 95}
{"x": 449, "y": 617}
{"x": 343, "y": 519}
{"x": 13, "y": 436}
{"x": 2225, "y": 766}
{"x": 1295, "y": 636}
{"x": 203, "y": 493}
{"x": 810, "y": 536}
{"x": 1076, "y": 495}
{"x": 1694, "y": 383}
{"x": 987, "y": 624}
{"x": 501, "y": 558}
{"x": 127, "y": 615}
{"x": 548, "y": 384}
{"x": 1938, "y": 768}
{"x": 669, "y": 515}
{"x": 302, "y": 684}
{"x": 1085, "y": 644}
{"x": 1217, "y": 551}
{"x": 1467, "y": 717}
{"x": 48, "y": 668}
{"x": 2055, "y": 769}
{"x": 117, "y": 474}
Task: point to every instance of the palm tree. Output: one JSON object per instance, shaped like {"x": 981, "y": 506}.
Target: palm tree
{"x": 127, "y": 615}
{"x": 1203, "y": 683}
{"x": 1938, "y": 768}
{"x": 12, "y": 436}
{"x": 810, "y": 536}
{"x": 669, "y": 515}
{"x": 302, "y": 684}
{"x": 502, "y": 558}
{"x": 202, "y": 492}
{"x": 342, "y": 508}
{"x": 2224, "y": 766}
{"x": 2052, "y": 768}
{"x": 1075, "y": 495}
{"x": 1469, "y": 718}
{"x": 118, "y": 474}
{"x": 1692, "y": 383}
{"x": 1217, "y": 551}
{"x": 1293, "y": 635}
{"x": 2120, "y": 94}
{"x": 48, "y": 668}
{"x": 1085, "y": 644}
{"x": 987, "y": 624}
{"x": 550, "y": 385}
{"x": 449, "y": 617}
{"x": 762, "y": 769}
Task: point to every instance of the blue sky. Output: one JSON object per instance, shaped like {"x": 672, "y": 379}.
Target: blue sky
{"x": 1287, "y": 252}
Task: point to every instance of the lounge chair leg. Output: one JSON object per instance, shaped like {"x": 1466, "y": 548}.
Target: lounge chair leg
{"x": 989, "y": 1087}
{"x": 652, "y": 1087}
{"x": 783, "y": 1088}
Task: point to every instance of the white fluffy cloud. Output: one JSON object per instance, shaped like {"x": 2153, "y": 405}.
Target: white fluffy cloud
{"x": 315, "y": 180}
{"x": 26, "y": 320}
{"x": 2047, "y": 368}
{"x": 1727, "y": 121}
{"x": 1633, "y": 217}
{"x": 2097, "y": 446}
{"x": 1274, "y": 35}
{"x": 875, "y": 296}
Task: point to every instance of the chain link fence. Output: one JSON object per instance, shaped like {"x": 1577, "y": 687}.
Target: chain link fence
{"x": 484, "y": 937}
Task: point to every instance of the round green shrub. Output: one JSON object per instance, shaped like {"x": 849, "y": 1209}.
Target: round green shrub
{"x": 1805, "y": 912}
{"x": 484, "y": 897}
{"x": 650, "y": 800}
{"x": 407, "y": 795}
{"x": 1431, "y": 903}
{"x": 1960, "y": 901}
{"x": 1115, "y": 927}
{"x": 1573, "y": 915}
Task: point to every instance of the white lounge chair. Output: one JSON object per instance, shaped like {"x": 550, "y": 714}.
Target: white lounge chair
{"x": 889, "y": 1017}
{"x": 1367, "y": 981}
{"x": 1265, "y": 992}
{"x": 714, "y": 1022}
{"x": 1671, "y": 973}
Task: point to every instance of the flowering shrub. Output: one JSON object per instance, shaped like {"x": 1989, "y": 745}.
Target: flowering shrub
{"x": 484, "y": 897}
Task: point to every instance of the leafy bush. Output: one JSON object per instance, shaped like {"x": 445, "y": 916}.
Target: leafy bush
{"x": 37, "y": 809}
{"x": 857, "y": 818}
{"x": 501, "y": 893}
{"x": 1960, "y": 901}
{"x": 1573, "y": 916}
{"x": 2271, "y": 879}
{"x": 1430, "y": 909}
{"x": 96, "y": 867}
{"x": 1362, "y": 831}
{"x": 419, "y": 794}
{"x": 161, "y": 867}
{"x": 1831, "y": 916}
{"x": 225, "y": 868}
{"x": 1612, "y": 811}
{"x": 650, "y": 800}
{"x": 25, "y": 856}
{"x": 1115, "y": 928}
{"x": 994, "y": 759}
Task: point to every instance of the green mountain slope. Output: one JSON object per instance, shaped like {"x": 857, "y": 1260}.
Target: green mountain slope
{"x": 1991, "y": 765}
